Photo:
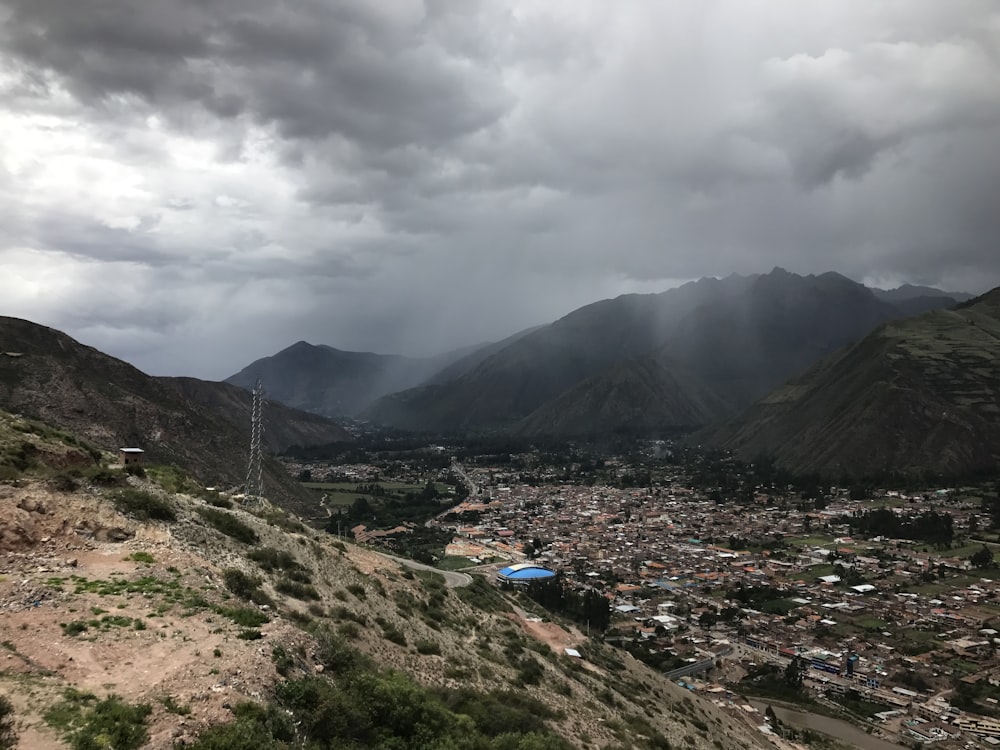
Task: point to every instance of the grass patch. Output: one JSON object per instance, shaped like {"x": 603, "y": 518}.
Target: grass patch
{"x": 87, "y": 723}
{"x": 453, "y": 562}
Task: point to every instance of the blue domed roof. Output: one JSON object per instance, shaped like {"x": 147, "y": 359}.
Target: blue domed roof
{"x": 525, "y": 572}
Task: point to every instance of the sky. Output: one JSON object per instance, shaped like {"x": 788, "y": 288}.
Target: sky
{"x": 193, "y": 184}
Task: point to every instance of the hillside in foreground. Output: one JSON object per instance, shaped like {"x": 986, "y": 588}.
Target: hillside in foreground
{"x": 916, "y": 396}
{"x": 143, "y": 618}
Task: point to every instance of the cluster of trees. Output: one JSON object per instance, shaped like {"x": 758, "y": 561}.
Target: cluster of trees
{"x": 586, "y": 607}
{"x": 755, "y": 596}
{"x": 982, "y": 558}
{"x": 930, "y": 526}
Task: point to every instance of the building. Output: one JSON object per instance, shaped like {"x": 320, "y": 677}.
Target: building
{"x": 524, "y": 573}
{"x": 131, "y": 456}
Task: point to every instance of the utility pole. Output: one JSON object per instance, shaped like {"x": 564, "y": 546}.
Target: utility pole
{"x": 254, "y": 492}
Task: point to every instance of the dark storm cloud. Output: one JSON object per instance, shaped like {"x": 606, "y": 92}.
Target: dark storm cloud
{"x": 197, "y": 183}
{"x": 313, "y": 68}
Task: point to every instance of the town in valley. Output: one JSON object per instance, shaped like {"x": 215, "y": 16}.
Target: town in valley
{"x": 877, "y": 603}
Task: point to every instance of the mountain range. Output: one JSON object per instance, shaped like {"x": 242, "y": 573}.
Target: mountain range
{"x": 916, "y": 396}
{"x": 46, "y": 375}
{"x": 819, "y": 373}
{"x": 695, "y": 354}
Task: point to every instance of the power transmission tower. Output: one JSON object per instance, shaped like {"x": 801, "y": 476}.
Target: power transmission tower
{"x": 255, "y": 468}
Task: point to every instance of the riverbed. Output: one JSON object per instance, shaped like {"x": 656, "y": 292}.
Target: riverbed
{"x": 838, "y": 729}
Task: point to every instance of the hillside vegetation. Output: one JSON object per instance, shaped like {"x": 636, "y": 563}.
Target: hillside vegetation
{"x": 920, "y": 396}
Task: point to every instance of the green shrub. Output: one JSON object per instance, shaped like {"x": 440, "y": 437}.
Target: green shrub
{"x": 74, "y": 628}
{"x": 358, "y": 590}
{"x": 244, "y": 616}
{"x": 228, "y": 524}
{"x": 249, "y": 635}
{"x": 143, "y": 557}
{"x": 64, "y": 482}
{"x": 8, "y": 727}
{"x": 238, "y": 582}
{"x": 102, "y": 476}
{"x": 529, "y": 671}
{"x": 394, "y": 634}
{"x": 349, "y": 630}
{"x": 283, "y": 661}
{"x": 244, "y": 586}
{"x": 143, "y": 506}
{"x": 427, "y": 648}
{"x": 302, "y": 591}
{"x": 270, "y": 559}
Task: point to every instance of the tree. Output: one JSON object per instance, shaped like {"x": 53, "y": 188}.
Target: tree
{"x": 983, "y": 558}
{"x": 794, "y": 671}
{"x": 772, "y": 718}
{"x": 8, "y": 731}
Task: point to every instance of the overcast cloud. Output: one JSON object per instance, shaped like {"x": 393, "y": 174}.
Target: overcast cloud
{"x": 193, "y": 184}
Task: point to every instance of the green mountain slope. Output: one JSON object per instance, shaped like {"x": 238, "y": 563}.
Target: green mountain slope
{"x": 641, "y": 396}
{"x": 45, "y": 374}
{"x": 920, "y": 395}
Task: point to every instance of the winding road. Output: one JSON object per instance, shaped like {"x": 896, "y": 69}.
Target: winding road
{"x": 452, "y": 579}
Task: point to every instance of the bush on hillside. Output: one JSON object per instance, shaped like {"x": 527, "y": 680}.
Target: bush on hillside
{"x": 228, "y": 525}
{"x": 143, "y": 506}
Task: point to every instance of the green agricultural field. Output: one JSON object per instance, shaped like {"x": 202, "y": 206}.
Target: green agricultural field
{"x": 453, "y": 562}
{"x": 970, "y": 549}
{"x": 870, "y": 623}
{"x": 816, "y": 571}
